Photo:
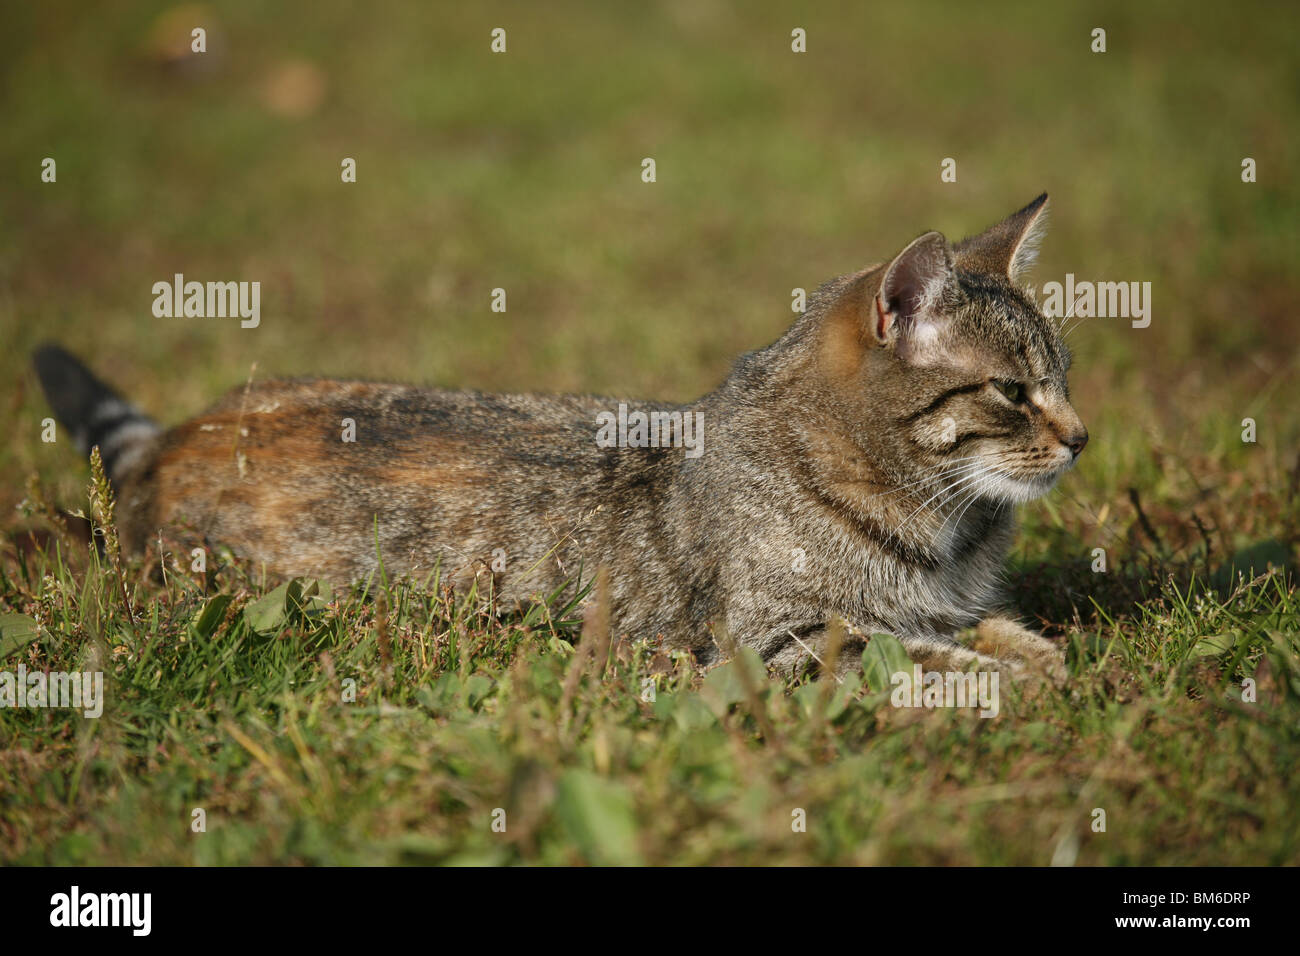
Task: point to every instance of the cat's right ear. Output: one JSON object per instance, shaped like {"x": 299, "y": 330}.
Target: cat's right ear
{"x": 907, "y": 313}
{"x": 1010, "y": 247}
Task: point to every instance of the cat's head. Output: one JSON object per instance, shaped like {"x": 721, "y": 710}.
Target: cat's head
{"x": 959, "y": 378}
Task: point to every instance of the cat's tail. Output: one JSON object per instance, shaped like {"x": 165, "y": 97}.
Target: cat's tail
{"x": 91, "y": 411}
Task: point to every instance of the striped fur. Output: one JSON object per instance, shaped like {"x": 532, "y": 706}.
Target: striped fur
{"x": 864, "y": 467}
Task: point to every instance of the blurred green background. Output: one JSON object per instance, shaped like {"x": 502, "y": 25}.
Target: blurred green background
{"x": 522, "y": 171}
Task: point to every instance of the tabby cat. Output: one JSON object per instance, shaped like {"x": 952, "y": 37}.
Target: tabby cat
{"x": 863, "y": 468}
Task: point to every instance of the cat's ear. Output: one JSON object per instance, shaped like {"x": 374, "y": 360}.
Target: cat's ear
{"x": 1010, "y": 247}
{"x": 907, "y": 313}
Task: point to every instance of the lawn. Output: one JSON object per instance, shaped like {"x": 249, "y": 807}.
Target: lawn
{"x": 396, "y": 723}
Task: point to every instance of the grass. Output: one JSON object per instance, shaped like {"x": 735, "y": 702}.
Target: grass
{"x": 227, "y": 692}
{"x": 397, "y": 724}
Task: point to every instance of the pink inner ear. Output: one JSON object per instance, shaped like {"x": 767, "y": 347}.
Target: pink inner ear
{"x": 914, "y": 278}
{"x": 883, "y": 319}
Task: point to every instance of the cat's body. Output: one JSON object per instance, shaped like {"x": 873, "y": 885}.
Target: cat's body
{"x": 819, "y": 493}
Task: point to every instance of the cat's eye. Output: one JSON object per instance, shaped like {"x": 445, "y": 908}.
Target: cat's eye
{"x": 1014, "y": 391}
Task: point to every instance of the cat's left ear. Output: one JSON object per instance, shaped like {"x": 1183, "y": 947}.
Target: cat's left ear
{"x": 1010, "y": 247}
{"x": 908, "y": 313}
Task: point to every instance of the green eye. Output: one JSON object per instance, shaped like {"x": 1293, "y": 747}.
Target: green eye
{"x": 1014, "y": 391}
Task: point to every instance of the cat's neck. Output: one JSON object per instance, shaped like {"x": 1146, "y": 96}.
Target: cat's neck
{"x": 914, "y": 516}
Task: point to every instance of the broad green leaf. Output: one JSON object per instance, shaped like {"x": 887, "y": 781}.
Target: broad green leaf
{"x": 308, "y": 599}
{"x": 559, "y": 645}
{"x": 883, "y": 657}
{"x": 724, "y": 685}
{"x": 598, "y": 816}
{"x": 1288, "y": 642}
{"x": 806, "y": 696}
{"x": 692, "y": 713}
{"x": 268, "y": 614}
{"x": 665, "y": 704}
{"x": 477, "y": 688}
{"x": 206, "y": 621}
{"x": 16, "y": 632}
{"x": 845, "y": 693}
{"x": 1216, "y": 644}
{"x": 442, "y": 695}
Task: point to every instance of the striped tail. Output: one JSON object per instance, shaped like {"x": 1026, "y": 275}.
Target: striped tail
{"x": 91, "y": 411}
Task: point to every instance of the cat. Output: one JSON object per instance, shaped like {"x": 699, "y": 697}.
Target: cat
{"x": 862, "y": 468}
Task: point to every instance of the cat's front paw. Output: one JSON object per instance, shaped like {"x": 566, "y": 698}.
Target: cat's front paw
{"x": 1004, "y": 638}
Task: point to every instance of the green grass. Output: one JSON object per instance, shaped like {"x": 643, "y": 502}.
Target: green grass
{"x": 394, "y": 725}
{"x": 775, "y": 171}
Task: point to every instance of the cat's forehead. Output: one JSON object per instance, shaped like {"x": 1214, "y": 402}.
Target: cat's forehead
{"x": 998, "y": 317}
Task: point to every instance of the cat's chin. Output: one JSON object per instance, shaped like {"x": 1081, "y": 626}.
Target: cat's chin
{"x": 1017, "y": 490}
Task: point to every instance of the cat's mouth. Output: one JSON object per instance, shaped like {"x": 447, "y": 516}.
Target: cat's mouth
{"x": 1015, "y": 486}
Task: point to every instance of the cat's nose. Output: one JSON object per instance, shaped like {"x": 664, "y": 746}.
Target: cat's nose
{"x": 1076, "y": 441}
